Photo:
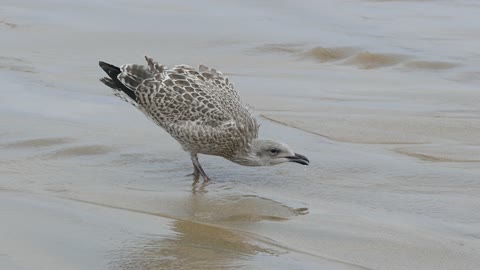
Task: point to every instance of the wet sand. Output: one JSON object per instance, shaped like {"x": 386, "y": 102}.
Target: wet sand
{"x": 388, "y": 116}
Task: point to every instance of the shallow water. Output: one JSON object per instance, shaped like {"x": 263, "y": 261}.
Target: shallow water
{"x": 381, "y": 96}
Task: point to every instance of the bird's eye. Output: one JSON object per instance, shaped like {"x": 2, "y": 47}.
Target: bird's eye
{"x": 274, "y": 151}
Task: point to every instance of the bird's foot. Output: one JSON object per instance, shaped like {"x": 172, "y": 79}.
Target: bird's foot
{"x": 198, "y": 170}
{"x": 196, "y": 177}
{"x": 195, "y": 173}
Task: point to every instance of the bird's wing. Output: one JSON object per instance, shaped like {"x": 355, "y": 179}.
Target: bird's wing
{"x": 206, "y": 139}
{"x": 220, "y": 86}
{"x": 185, "y": 97}
{"x": 172, "y": 95}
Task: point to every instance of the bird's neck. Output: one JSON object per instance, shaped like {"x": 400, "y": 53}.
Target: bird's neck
{"x": 247, "y": 156}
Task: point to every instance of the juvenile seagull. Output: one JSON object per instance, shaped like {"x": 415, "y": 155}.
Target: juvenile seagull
{"x": 200, "y": 109}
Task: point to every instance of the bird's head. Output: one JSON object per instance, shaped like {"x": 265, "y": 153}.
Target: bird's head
{"x": 268, "y": 153}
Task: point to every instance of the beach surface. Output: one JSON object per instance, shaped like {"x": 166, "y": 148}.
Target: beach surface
{"x": 381, "y": 96}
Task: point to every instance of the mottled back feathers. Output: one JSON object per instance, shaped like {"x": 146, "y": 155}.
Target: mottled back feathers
{"x": 200, "y": 108}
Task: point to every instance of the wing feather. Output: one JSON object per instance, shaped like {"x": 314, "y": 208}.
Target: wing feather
{"x": 197, "y": 107}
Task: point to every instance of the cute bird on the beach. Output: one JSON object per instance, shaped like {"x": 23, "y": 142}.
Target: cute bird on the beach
{"x": 200, "y": 109}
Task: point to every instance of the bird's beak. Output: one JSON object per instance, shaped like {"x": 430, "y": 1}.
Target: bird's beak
{"x": 299, "y": 159}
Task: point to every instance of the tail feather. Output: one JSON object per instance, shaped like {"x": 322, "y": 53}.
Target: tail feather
{"x": 113, "y": 82}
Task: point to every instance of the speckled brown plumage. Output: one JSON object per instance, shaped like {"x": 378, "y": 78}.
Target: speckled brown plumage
{"x": 198, "y": 107}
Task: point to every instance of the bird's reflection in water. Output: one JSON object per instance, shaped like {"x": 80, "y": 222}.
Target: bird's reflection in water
{"x": 198, "y": 186}
{"x": 195, "y": 244}
{"x": 192, "y": 246}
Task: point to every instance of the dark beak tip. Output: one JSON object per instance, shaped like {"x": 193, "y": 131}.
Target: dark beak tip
{"x": 301, "y": 159}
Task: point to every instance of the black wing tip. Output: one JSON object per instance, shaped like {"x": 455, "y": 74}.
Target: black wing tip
{"x": 113, "y": 82}
{"x": 109, "y": 82}
{"x": 103, "y": 65}
{"x": 109, "y": 68}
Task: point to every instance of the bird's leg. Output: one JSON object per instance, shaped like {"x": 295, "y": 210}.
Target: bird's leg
{"x": 195, "y": 174}
{"x": 198, "y": 170}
